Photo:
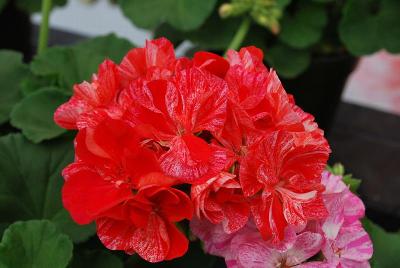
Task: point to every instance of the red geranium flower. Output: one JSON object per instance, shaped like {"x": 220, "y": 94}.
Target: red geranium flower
{"x": 117, "y": 181}
{"x": 281, "y": 174}
{"x": 191, "y": 102}
{"x": 226, "y": 127}
{"x": 145, "y": 224}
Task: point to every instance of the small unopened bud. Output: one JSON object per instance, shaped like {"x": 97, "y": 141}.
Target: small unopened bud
{"x": 226, "y": 10}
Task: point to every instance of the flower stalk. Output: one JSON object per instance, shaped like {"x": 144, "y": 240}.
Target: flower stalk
{"x": 44, "y": 26}
{"x": 240, "y": 34}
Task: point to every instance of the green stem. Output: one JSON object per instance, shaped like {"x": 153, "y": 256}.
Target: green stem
{"x": 240, "y": 34}
{"x": 44, "y": 26}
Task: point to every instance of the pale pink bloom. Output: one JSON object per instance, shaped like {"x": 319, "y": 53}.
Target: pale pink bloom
{"x": 246, "y": 248}
{"x": 350, "y": 249}
{"x": 216, "y": 240}
{"x": 344, "y": 207}
{"x": 252, "y": 251}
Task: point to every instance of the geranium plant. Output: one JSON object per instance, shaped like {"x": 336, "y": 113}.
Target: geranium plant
{"x": 155, "y": 159}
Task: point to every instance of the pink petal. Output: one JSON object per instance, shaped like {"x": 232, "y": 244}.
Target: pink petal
{"x": 216, "y": 240}
{"x": 354, "y": 208}
{"x": 307, "y": 245}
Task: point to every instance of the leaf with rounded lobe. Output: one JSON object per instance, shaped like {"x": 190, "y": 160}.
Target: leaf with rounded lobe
{"x": 305, "y": 27}
{"x": 287, "y": 61}
{"x": 386, "y": 245}
{"x": 34, "y": 243}
{"x": 30, "y": 183}
{"x": 389, "y": 25}
{"x": 71, "y": 65}
{"x": 368, "y": 26}
{"x": 12, "y": 71}
{"x": 358, "y": 28}
{"x": 183, "y": 15}
{"x": 34, "y": 114}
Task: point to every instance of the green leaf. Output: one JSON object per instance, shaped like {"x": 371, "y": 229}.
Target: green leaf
{"x": 71, "y": 65}
{"x": 35, "y": 5}
{"x": 34, "y": 114}
{"x": 336, "y": 169}
{"x": 305, "y": 27}
{"x": 214, "y": 34}
{"x": 183, "y": 15}
{"x": 353, "y": 183}
{"x": 389, "y": 25}
{"x": 32, "y": 83}
{"x": 35, "y": 243}
{"x": 386, "y": 246}
{"x": 358, "y": 28}
{"x": 370, "y": 25}
{"x": 95, "y": 259}
{"x": 30, "y": 182}
{"x": 12, "y": 71}
{"x": 287, "y": 61}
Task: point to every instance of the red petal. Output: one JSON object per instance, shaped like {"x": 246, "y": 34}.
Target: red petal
{"x": 268, "y": 217}
{"x": 85, "y": 194}
{"x": 159, "y": 52}
{"x": 174, "y": 205}
{"x": 116, "y": 235}
{"x": 178, "y": 242}
{"x": 133, "y": 65}
{"x": 114, "y": 144}
{"x": 211, "y": 62}
{"x": 236, "y": 216}
{"x": 315, "y": 209}
{"x": 190, "y": 158}
{"x": 152, "y": 243}
{"x": 68, "y": 113}
{"x": 155, "y": 60}
{"x": 203, "y": 101}
{"x": 249, "y": 57}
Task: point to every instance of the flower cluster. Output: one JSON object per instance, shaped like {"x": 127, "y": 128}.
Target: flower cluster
{"x": 164, "y": 139}
{"x": 336, "y": 241}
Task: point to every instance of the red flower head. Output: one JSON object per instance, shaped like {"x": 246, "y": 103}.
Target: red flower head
{"x": 281, "y": 176}
{"x": 117, "y": 181}
{"x": 224, "y": 128}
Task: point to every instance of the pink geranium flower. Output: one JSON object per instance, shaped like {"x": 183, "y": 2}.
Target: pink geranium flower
{"x": 246, "y": 248}
{"x": 351, "y": 248}
{"x": 347, "y": 243}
